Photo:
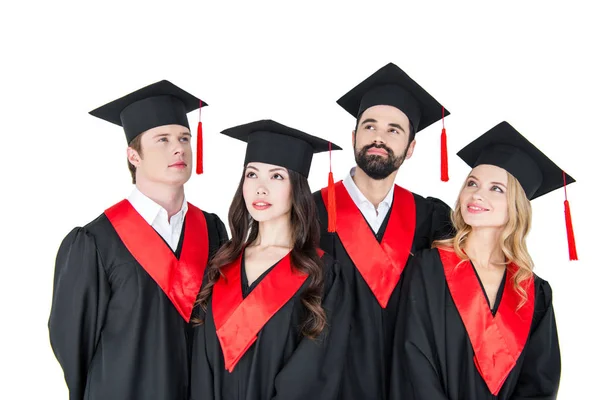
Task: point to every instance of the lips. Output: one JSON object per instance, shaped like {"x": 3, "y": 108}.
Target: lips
{"x": 260, "y": 205}
{"x": 476, "y": 209}
{"x": 377, "y": 151}
{"x": 178, "y": 164}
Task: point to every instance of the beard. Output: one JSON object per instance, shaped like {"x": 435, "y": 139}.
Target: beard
{"x": 378, "y": 167}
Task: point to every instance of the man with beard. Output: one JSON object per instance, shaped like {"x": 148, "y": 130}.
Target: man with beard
{"x": 372, "y": 226}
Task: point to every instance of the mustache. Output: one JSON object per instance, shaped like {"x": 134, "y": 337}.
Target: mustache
{"x": 377, "y": 146}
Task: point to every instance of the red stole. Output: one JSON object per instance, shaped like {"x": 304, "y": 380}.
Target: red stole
{"x": 179, "y": 279}
{"x": 497, "y": 340}
{"x": 237, "y": 320}
{"x": 380, "y": 264}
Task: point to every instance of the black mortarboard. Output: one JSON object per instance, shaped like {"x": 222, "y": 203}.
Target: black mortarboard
{"x": 504, "y": 147}
{"x": 393, "y": 87}
{"x": 160, "y": 103}
{"x": 273, "y": 143}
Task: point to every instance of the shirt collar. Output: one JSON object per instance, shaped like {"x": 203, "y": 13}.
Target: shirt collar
{"x": 358, "y": 197}
{"x": 149, "y": 209}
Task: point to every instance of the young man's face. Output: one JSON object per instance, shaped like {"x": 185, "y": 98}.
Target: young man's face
{"x": 166, "y": 155}
{"x": 381, "y": 141}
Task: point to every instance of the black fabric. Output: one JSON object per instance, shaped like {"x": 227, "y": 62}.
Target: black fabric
{"x": 282, "y": 363}
{"x": 158, "y": 104}
{"x": 368, "y": 360}
{"x": 433, "y": 355}
{"x": 504, "y": 147}
{"x": 113, "y": 330}
{"x": 273, "y": 143}
{"x": 393, "y": 87}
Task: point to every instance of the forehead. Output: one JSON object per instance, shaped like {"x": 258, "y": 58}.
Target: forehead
{"x": 385, "y": 114}
{"x": 492, "y": 173}
{"x": 168, "y": 130}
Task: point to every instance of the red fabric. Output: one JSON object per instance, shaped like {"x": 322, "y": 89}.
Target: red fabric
{"x": 239, "y": 320}
{"x": 379, "y": 264}
{"x": 179, "y": 279}
{"x": 497, "y": 340}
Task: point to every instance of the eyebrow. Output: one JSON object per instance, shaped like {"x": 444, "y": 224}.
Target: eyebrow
{"x": 168, "y": 134}
{"x": 394, "y": 125}
{"x": 271, "y": 170}
{"x": 493, "y": 183}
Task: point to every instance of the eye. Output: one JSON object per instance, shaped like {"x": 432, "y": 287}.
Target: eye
{"x": 395, "y": 131}
{"x": 277, "y": 176}
{"x": 498, "y": 189}
{"x": 250, "y": 174}
{"x": 369, "y": 127}
{"x": 471, "y": 183}
{"x": 185, "y": 139}
{"x": 163, "y": 139}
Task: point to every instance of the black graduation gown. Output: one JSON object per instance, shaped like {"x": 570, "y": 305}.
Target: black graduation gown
{"x": 369, "y": 355}
{"x": 433, "y": 353}
{"x": 281, "y": 363}
{"x": 113, "y": 330}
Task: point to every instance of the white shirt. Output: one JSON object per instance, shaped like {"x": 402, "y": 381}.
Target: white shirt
{"x": 157, "y": 217}
{"x": 373, "y": 215}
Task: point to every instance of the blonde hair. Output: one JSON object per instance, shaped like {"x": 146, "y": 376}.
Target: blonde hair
{"x": 512, "y": 238}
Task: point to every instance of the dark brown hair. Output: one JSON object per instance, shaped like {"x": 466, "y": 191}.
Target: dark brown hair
{"x": 304, "y": 257}
{"x": 135, "y": 144}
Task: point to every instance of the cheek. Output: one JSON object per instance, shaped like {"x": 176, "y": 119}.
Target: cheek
{"x": 284, "y": 195}
{"x": 247, "y": 189}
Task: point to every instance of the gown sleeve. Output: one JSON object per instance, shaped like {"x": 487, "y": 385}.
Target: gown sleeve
{"x": 415, "y": 373}
{"x": 540, "y": 375}
{"x": 79, "y": 302}
{"x": 320, "y": 362}
{"x": 441, "y": 222}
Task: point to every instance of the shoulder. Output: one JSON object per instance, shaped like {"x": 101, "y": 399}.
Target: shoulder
{"x": 543, "y": 292}
{"x": 424, "y": 265}
{"x": 432, "y": 203}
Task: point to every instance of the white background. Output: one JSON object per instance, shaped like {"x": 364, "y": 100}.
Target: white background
{"x": 534, "y": 64}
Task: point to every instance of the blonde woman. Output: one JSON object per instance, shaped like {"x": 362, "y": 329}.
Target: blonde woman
{"x": 477, "y": 323}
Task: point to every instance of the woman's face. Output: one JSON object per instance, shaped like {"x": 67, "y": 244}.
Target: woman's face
{"x": 267, "y": 191}
{"x": 483, "y": 199}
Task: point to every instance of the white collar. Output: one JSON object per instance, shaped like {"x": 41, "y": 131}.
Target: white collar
{"x": 358, "y": 197}
{"x": 148, "y": 208}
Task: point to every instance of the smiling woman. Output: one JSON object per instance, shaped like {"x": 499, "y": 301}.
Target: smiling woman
{"x": 273, "y": 280}
{"x": 477, "y": 322}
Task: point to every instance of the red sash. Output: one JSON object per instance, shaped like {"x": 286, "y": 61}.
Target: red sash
{"x": 237, "y": 320}
{"x": 497, "y": 340}
{"x": 179, "y": 279}
{"x": 379, "y": 264}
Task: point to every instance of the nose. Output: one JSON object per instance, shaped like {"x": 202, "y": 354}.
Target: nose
{"x": 178, "y": 148}
{"x": 477, "y": 194}
{"x": 378, "y": 138}
{"x": 261, "y": 191}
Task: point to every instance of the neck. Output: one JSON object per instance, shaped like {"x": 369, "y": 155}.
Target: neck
{"x": 275, "y": 233}
{"x": 483, "y": 247}
{"x": 168, "y": 197}
{"x": 374, "y": 190}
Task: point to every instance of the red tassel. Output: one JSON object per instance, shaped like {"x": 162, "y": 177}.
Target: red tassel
{"x": 331, "y": 206}
{"x": 570, "y": 233}
{"x": 444, "y": 149}
{"x": 331, "y": 211}
{"x": 569, "y": 223}
{"x": 199, "y": 158}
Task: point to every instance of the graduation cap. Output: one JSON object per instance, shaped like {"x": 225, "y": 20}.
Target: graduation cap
{"x": 504, "y": 147}
{"x": 273, "y": 143}
{"x": 158, "y": 104}
{"x": 393, "y": 87}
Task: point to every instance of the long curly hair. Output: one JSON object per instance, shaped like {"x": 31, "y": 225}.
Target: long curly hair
{"x": 512, "y": 238}
{"x": 304, "y": 257}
